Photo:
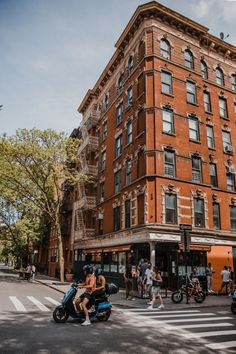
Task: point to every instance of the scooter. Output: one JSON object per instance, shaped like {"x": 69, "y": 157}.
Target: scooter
{"x": 102, "y": 306}
{"x": 233, "y": 305}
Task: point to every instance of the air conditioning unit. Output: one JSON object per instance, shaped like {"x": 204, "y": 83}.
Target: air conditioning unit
{"x": 231, "y": 170}
{"x": 229, "y": 148}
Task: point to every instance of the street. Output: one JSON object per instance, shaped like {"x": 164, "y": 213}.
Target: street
{"x": 27, "y": 326}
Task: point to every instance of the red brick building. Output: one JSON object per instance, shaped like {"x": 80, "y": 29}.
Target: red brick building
{"x": 159, "y": 144}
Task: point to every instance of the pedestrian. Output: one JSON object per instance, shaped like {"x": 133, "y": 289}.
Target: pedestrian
{"x": 143, "y": 267}
{"x": 209, "y": 272}
{"x": 33, "y": 272}
{"x": 148, "y": 281}
{"x": 156, "y": 289}
{"x": 128, "y": 282}
{"x": 225, "y": 275}
{"x": 231, "y": 281}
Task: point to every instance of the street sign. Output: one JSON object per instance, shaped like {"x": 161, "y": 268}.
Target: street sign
{"x": 185, "y": 227}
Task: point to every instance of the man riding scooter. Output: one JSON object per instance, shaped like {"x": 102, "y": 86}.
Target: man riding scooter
{"x": 83, "y": 299}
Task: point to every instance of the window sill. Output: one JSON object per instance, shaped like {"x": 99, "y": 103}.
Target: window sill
{"x": 211, "y": 148}
{"x": 193, "y": 104}
{"x": 209, "y": 112}
{"x": 171, "y": 134}
{"x": 225, "y": 118}
{"x": 127, "y": 145}
{"x": 116, "y": 158}
{"x": 168, "y": 94}
{"x": 194, "y": 141}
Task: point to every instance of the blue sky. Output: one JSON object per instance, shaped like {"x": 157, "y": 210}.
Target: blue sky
{"x": 53, "y": 51}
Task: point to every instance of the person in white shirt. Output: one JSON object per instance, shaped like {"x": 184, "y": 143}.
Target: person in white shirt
{"x": 225, "y": 274}
{"x": 148, "y": 279}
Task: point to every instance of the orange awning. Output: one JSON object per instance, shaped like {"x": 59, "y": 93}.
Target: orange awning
{"x": 197, "y": 247}
{"x": 108, "y": 249}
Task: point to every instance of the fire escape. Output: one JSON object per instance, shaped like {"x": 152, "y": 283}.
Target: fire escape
{"x": 85, "y": 205}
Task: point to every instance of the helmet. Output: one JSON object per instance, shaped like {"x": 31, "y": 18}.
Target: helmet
{"x": 98, "y": 271}
{"x": 88, "y": 269}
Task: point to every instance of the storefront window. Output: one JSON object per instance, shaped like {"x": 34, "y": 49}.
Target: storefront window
{"x": 122, "y": 261}
{"x": 114, "y": 262}
{"x": 106, "y": 261}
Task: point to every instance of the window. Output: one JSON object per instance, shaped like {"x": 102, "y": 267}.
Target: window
{"x": 199, "y": 212}
{"x": 103, "y": 165}
{"x": 230, "y": 181}
{"x": 128, "y": 165}
{"x": 102, "y": 192}
{"x": 118, "y": 145}
{"x": 226, "y": 141}
{"x": 188, "y": 59}
{"x": 130, "y": 64}
{"x": 207, "y": 102}
{"x": 127, "y": 213}
{"x": 196, "y": 169}
{"x": 165, "y": 48}
{"x": 213, "y": 175}
{"x": 166, "y": 83}
{"x": 193, "y": 128}
{"x": 104, "y": 131}
{"x": 120, "y": 83}
{"x": 129, "y": 101}
{"x": 233, "y": 216}
{"x": 210, "y": 137}
{"x": 129, "y": 132}
{"x": 168, "y": 121}
{"x": 169, "y": 163}
{"x": 234, "y": 107}
{"x": 219, "y": 77}
{"x": 204, "y": 70}
{"x": 171, "y": 209}
{"x": 106, "y": 102}
{"x": 119, "y": 114}
{"x": 223, "y": 107}
{"x": 117, "y": 181}
{"x": 116, "y": 224}
{"x": 191, "y": 92}
{"x": 233, "y": 81}
{"x": 216, "y": 215}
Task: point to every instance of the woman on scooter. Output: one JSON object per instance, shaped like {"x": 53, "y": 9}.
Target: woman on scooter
{"x": 99, "y": 291}
{"x": 89, "y": 285}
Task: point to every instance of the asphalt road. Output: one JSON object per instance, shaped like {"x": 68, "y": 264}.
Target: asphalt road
{"x": 26, "y": 326}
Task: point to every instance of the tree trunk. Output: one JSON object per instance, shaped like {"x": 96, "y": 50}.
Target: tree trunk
{"x": 60, "y": 250}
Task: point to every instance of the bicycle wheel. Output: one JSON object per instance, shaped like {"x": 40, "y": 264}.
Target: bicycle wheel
{"x": 177, "y": 296}
{"x": 199, "y": 297}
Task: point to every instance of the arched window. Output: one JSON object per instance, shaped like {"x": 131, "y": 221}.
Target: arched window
{"x": 165, "y": 49}
{"x": 233, "y": 81}
{"x": 120, "y": 83}
{"x": 130, "y": 64}
{"x": 106, "y": 102}
{"x": 204, "y": 70}
{"x": 188, "y": 59}
{"x": 219, "y": 77}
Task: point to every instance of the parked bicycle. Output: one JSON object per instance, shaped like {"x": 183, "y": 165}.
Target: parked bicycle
{"x": 189, "y": 290}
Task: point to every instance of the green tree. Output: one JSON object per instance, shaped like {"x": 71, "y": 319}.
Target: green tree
{"x": 35, "y": 166}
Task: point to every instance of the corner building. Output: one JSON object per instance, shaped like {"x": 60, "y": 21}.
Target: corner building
{"x": 159, "y": 138}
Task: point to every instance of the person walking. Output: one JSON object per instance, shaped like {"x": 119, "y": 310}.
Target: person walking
{"x": 225, "y": 274}
{"x": 148, "y": 281}
{"x": 128, "y": 282}
{"x": 209, "y": 272}
{"x": 156, "y": 289}
{"x": 231, "y": 281}
{"x": 33, "y": 272}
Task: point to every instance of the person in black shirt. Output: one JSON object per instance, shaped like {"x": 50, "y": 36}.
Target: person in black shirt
{"x": 128, "y": 282}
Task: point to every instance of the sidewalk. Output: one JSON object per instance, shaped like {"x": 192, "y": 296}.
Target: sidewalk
{"x": 120, "y": 301}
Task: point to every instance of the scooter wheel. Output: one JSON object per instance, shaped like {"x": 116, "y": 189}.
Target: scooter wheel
{"x": 233, "y": 308}
{"x": 104, "y": 317}
{"x": 177, "y": 297}
{"x": 200, "y": 297}
{"x": 60, "y": 315}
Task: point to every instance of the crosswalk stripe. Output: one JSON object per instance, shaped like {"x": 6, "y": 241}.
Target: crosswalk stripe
{"x": 159, "y": 315}
{"x": 204, "y": 325}
{"x": 199, "y": 319}
{"x": 155, "y": 310}
{"x": 222, "y": 345}
{"x": 18, "y": 305}
{"x": 208, "y": 334}
{"x": 38, "y": 304}
{"x": 54, "y": 302}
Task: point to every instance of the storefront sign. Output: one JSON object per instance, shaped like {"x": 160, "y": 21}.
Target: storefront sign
{"x": 197, "y": 248}
{"x": 108, "y": 249}
{"x": 185, "y": 227}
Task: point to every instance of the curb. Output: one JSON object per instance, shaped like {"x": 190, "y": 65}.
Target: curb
{"x": 49, "y": 286}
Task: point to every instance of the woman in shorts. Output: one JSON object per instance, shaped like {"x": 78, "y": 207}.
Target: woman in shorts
{"x": 156, "y": 289}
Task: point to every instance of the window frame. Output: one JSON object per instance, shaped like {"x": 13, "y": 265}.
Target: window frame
{"x": 204, "y": 70}
{"x": 197, "y": 171}
{"x": 165, "y": 52}
{"x": 169, "y": 165}
{"x": 103, "y": 160}
{"x": 230, "y": 178}
{"x": 199, "y": 215}
{"x": 127, "y": 214}
{"x": 191, "y": 94}
{"x": 120, "y": 83}
{"x": 207, "y": 102}
{"x": 119, "y": 114}
{"x": 166, "y": 83}
{"x": 210, "y": 138}
{"x": 195, "y": 130}
{"x": 118, "y": 146}
{"x": 213, "y": 177}
{"x": 226, "y": 142}
{"x": 233, "y": 82}
{"x": 117, "y": 182}
{"x": 223, "y": 110}
{"x": 128, "y": 172}
{"x": 102, "y": 192}
{"x": 166, "y": 122}
{"x": 171, "y": 210}
{"x": 129, "y": 97}
{"x": 116, "y": 218}
{"x": 129, "y": 131}
{"x": 233, "y": 220}
{"x": 130, "y": 64}
{"x": 220, "y": 77}
{"x": 216, "y": 216}
{"x": 104, "y": 131}
{"x": 188, "y": 61}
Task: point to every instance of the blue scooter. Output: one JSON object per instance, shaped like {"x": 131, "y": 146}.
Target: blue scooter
{"x": 102, "y": 306}
{"x": 233, "y": 305}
